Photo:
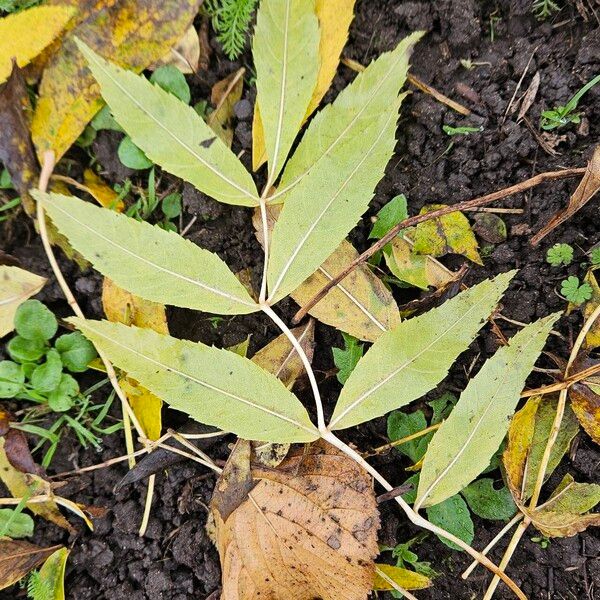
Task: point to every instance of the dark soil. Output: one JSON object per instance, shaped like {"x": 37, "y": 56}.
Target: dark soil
{"x": 175, "y": 560}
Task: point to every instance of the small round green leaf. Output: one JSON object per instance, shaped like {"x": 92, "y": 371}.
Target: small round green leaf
{"x": 171, "y": 205}
{"x": 11, "y": 379}
{"x": 23, "y": 350}
{"x": 488, "y": 502}
{"x": 46, "y": 376}
{"x": 172, "y": 80}
{"x": 15, "y": 524}
{"x": 131, "y": 156}
{"x": 34, "y": 321}
{"x": 76, "y": 351}
{"x": 61, "y": 399}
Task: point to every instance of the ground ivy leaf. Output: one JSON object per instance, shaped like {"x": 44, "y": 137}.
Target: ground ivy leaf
{"x": 213, "y": 386}
{"x": 488, "y": 502}
{"x": 453, "y": 515}
{"x": 285, "y": 52}
{"x": 330, "y": 180}
{"x": 25, "y": 34}
{"x": 466, "y": 441}
{"x": 171, "y": 134}
{"x": 411, "y": 359}
{"x": 148, "y": 261}
{"x": 16, "y": 285}
{"x": 129, "y": 32}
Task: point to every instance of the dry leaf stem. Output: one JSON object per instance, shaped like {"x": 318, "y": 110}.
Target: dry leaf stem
{"x": 408, "y": 438}
{"x": 412, "y": 221}
{"x": 541, "y": 475}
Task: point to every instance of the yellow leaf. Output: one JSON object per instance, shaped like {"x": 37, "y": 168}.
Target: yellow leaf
{"x": 592, "y": 339}
{"x": 225, "y": 94}
{"x": 20, "y": 485}
{"x": 185, "y": 54}
{"x": 585, "y": 403}
{"x": 25, "y": 34}
{"x": 334, "y": 17}
{"x": 16, "y": 285}
{"x": 448, "y": 234}
{"x": 52, "y": 573}
{"x": 133, "y": 34}
{"x": 102, "y": 192}
{"x": 121, "y": 306}
{"x": 409, "y": 580}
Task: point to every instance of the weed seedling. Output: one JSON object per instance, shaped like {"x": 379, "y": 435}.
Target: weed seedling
{"x": 560, "y": 254}
{"x": 542, "y": 9}
{"x": 574, "y": 291}
{"x": 563, "y": 115}
{"x": 595, "y": 257}
{"x": 231, "y": 21}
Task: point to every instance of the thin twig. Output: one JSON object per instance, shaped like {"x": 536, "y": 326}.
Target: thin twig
{"x": 412, "y": 221}
{"x": 408, "y": 438}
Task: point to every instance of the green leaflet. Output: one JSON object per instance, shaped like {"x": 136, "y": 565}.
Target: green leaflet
{"x": 212, "y": 385}
{"x": 453, "y": 516}
{"x": 171, "y": 134}
{"x": 411, "y": 359}
{"x": 286, "y": 56}
{"x": 148, "y": 261}
{"x": 331, "y": 178}
{"x": 465, "y": 443}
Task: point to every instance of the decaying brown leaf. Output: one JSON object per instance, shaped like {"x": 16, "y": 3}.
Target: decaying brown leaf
{"x": 127, "y": 32}
{"x": 16, "y": 149}
{"x": 360, "y": 305}
{"x": 185, "y": 54}
{"x": 586, "y": 405}
{"x": 586, "y": 190}
{"x": 18, "y": 558}
{"x": 305, "y": 530}
{"x": 529, "y": 96}
{"x": 224, "y": 96}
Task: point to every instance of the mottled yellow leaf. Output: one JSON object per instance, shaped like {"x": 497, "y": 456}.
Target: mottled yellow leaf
{"x": 52, "y": 573}
{"x": 408, "y": 580}
{"x": 121, "y": 306}
{"x": 131, "y": 33}
{"x": 448, "y": 234}
{"x": 16, "y": 285}
{"x": 25, "y": 34}
{"x": 585, "y": 403}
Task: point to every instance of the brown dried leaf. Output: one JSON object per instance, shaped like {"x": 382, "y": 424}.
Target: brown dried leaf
{"x": 586, "y": 190}
{"x": 127, "y": 32}
{"x": 18, "y": 558}
{"x": 529, "y": 96}
{"x": 224, "y": 96}
{"x": 360, "y": 305}
{"x": 306, "y": 530}
{"x": 16, "y": 149}
{"x": 585, "y": 403}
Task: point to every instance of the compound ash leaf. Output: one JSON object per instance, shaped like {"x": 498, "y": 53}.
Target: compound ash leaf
{"x": 134, "y": 34}
{"x": 447, "y": 234}
{"x": 527, "y": 439}
{"x": 134, "y": 255}
{"x": 171, "y": 133}
{"x": 16, "y": 150}
{"x": 330, "y": 180}
{"x": 25, "y": 34}
{"x": 18, "y": 558}
{"x": 334, "y": 17}
{"x": 465, "y": 443}
{"x": 285, "y": 51}
{"x": 16, "y": 285}
{"x": 411, "y": 359}
{"x": 360, "y": 305}
{"x": 213, "y": 386}
{"x": 305, "y": 530}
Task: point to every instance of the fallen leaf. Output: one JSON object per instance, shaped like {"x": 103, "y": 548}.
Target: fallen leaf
{"x": 224, "y": 96}
{"x": 121, "y": 306}
{"x": 490, "y": 227}
{"x": 305, "y": 530}
{"x": 360, "y": 305}
{"x": 408, "y": 580}
{"x": 448, "y": 234}
{"x": 334, "y": 17}
{"x": 242, "y": 348}
{"x": 592, "y": 338}
{"x": 19, "y": 485}
{"x": 18, "y": 558}
{"x": 18, "y": 455}
{"x": 52, "y": 573}
{"x": 16, "y": 285}
{"x": 16, "y": 150}
{"x": 585, "y": 403}
{"x": 185, "y": 54}
{"x": 131, "y": 33}
{"x": 25, "y": 34}
{"x": 102, "y": 192}
{"x": 586, "y": 190}
{"x": 529, "y": 96}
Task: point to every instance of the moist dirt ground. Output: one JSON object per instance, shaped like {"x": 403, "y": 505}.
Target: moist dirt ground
{"x": 176, "y": 560}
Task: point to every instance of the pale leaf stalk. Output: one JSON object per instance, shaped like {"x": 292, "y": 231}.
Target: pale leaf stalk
{"x": 405, "y": 593}
{"x": 493, "y": 543}
{"x": 147, "y": 505}
{"x": 266, "y": 242}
